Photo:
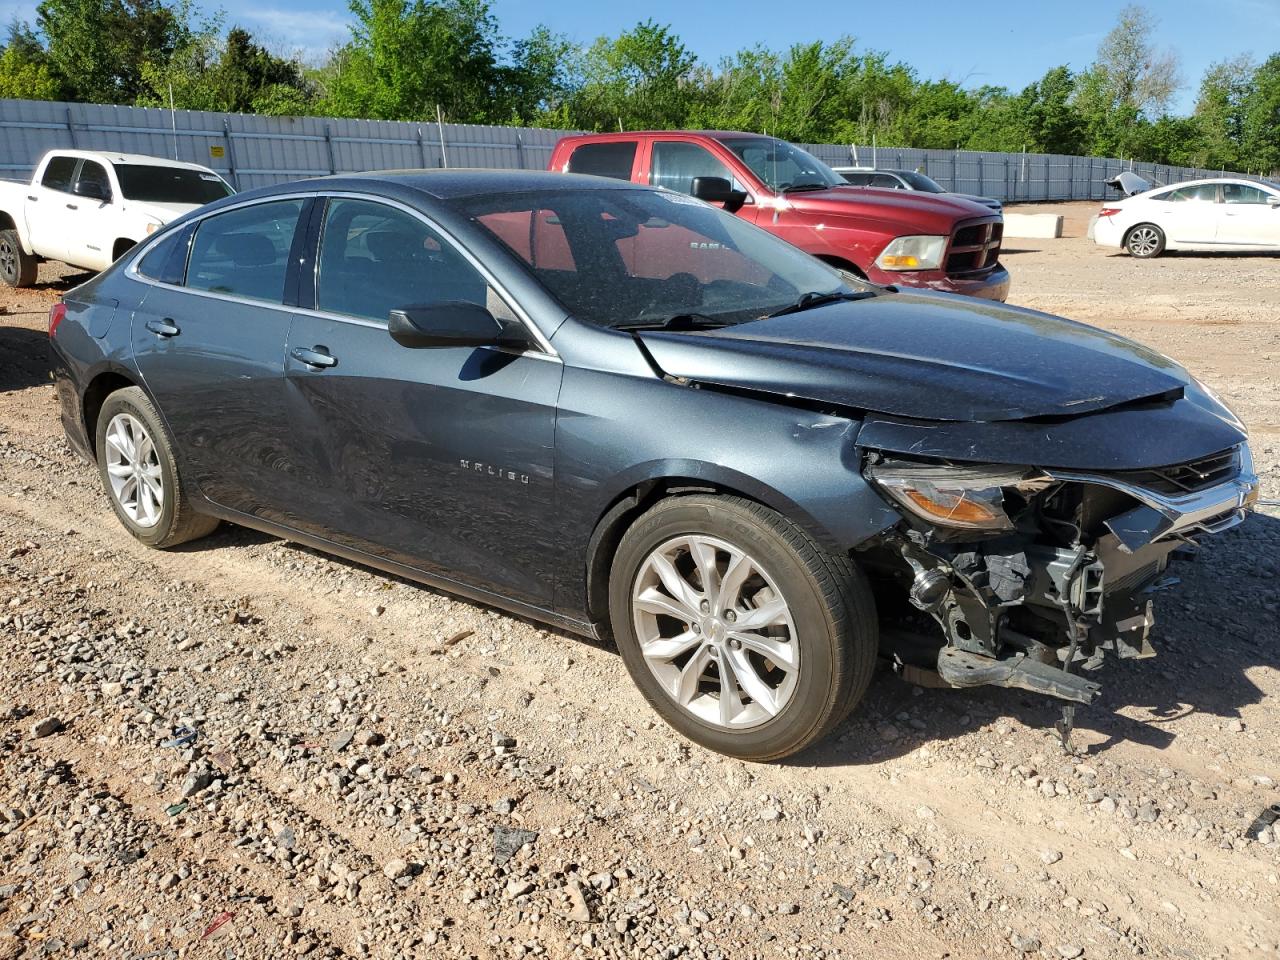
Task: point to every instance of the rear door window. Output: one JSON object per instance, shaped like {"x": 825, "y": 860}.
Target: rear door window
{"x": 1201, "y": 193}
{"x": 58, "y": 173}
{"x": 614, "y": 158}
{"x": 167, "y": 260}
{"x": 245, "y": 252}
{"x": 857, "y": 179}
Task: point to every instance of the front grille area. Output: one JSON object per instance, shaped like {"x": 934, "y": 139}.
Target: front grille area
{"x": 1186, "y": 478}
{"x": 975, "y": 247}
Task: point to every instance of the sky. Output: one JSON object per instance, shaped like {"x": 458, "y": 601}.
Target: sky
{"x": 968, "y": 43}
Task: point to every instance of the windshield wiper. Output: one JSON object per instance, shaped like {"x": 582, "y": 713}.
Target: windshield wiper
{"x": 815, "y": 299}
{"x": 797, "y": 187}
{"x": 680, "y": 321}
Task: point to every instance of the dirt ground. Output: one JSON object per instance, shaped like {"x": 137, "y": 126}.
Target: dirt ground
{"x": 368, "y": 752}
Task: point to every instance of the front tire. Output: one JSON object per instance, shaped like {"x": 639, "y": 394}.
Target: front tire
{"x": 1145, "y": 241}
{"x": 741, "y": 632}
{"x": 140, "y": 475}
{"x": 17, "y": 267}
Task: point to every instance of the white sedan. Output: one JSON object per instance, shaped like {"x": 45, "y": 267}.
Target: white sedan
{"x": 1221, "y": 214}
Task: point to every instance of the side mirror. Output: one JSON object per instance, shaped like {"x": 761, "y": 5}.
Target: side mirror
{"x": 718, "y": 190}
{"x": 91, "y": 190}
{"x": 450, "y": 323}
{"x": 1273, "y": 202}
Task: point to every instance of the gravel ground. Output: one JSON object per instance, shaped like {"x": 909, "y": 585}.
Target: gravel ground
{"x": 379, "y": 770}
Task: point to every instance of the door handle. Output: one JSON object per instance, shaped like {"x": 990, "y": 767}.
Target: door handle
{"x": 72, "y": 206}
{"x": 317, "y": 357}
{"x": 163, "y": 328}
{"x": 33, "y": 199}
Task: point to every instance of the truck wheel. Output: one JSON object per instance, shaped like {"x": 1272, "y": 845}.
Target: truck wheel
{"x": 17, "y": 268}
{"x": 744, "y": 634}
{"x": 140, "y": 474}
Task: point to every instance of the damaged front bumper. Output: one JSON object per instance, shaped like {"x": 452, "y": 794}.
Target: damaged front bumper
{"x": 1070, "y": 579}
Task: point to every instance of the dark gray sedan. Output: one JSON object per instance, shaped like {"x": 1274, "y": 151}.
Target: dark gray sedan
{"x": 624, "y": 412}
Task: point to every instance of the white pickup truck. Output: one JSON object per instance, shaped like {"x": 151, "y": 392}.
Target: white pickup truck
{"x": 87, "y": 208}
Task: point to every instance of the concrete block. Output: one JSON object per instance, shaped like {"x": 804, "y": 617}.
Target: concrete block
{"x": 1032, "y": 226}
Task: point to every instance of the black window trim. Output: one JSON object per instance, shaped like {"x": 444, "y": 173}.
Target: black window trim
{"x": 71, "y": 181}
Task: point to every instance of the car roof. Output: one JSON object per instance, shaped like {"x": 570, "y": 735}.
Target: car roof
{"x": 443, "y": 184}
{"x": 712, "y": 134}
{"x": 138, "y": 159}
{"x": 1203, "y": 180}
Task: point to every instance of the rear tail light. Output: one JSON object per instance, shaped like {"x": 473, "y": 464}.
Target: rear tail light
{"x": 56, "y": 313}
{"x": 1108, "y": 212}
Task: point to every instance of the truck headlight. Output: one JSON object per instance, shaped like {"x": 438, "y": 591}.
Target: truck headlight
{"x": 965, "y": 497}
{"x": 912, "y": 253}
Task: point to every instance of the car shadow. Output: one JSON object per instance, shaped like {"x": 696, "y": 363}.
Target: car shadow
{"x": 1214, "y": 628}
{"x": 24, "y": 358}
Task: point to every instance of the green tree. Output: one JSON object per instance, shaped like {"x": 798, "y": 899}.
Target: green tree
{"x": 232, "y": 74}
{"x": 405, "y": 57}
{"x": 99, "y": 48}
{"x": 1261, "y": 127}
{"x": 1129, "y": 84}
{"x": 643, "y": 78}
{"x": 1050, "y": 122}
{"x": 24, "y": 67}
{"x": 1219, "y": 112}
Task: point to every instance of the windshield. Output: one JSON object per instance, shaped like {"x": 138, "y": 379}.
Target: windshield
{"x": 783, "y": 166}
{"x": 919, "y": 181}
{"x": 149, "y": 184}
{"x": 633, "y": 257}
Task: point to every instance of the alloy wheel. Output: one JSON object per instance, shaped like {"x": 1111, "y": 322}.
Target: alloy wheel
{"x": 1144, "y": 241}
{"x": 715, "y": 631}
{"x": 8, "y": 260}
{"x": 133, "y": 468}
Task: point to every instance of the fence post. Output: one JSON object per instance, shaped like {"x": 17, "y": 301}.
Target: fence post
{"x": 982, "y": 180}
{"x": 422, "y": 148}
{"x": 520, "y": 149}
{"x": 71, "y": 130}
{"x": 231, "y": 154}
{"x": 1071, "y": 177}
{"x": 328, "y": 140}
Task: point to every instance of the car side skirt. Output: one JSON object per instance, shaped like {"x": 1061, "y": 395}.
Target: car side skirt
{"x": 474, "y": 594}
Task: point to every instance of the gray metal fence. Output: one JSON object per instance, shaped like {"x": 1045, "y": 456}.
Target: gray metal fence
{"x": 254, "y": 151}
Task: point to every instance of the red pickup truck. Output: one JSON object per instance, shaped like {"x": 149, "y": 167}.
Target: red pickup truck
{"x": 887, "y": 236}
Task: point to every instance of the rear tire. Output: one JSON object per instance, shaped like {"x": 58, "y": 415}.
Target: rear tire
{"x": 17, "y": 267}
{"x": 768, "y": 659}
{"x": 140, "y": 475}
{"x": 1145, "y": 241}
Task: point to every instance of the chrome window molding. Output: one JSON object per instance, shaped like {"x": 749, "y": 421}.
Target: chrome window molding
{"x": 544, "y": 351}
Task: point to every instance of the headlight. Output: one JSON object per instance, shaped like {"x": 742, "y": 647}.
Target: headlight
{"x": 912, "y": 253}
{"x": 968, "y": 498}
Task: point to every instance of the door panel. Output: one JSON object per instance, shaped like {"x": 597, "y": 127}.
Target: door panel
{"x": 1248, "y": 219}
{"x": 49, "y": 217}
{"x": 90, "y": 223}
{"x": 441, "y": 458}
{"x": 1191, "y": 214}
{"x": 214, "y": 362}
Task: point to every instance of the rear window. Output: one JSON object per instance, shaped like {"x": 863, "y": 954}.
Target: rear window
{"x": 57, "y": 174}
{"x": 614, "y": 159}
{"x": 245, "y": 252}
{"x": 151, "y": 184}
{"x": 167, "y": 260}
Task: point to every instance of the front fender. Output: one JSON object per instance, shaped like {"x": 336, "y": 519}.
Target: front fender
{"x": 617, "y": 432}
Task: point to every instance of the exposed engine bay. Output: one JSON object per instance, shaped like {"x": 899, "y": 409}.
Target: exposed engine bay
{"x": 1034, "y": 576}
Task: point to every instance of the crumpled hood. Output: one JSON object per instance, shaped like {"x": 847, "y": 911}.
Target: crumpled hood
{"x": 925, "y": 356}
